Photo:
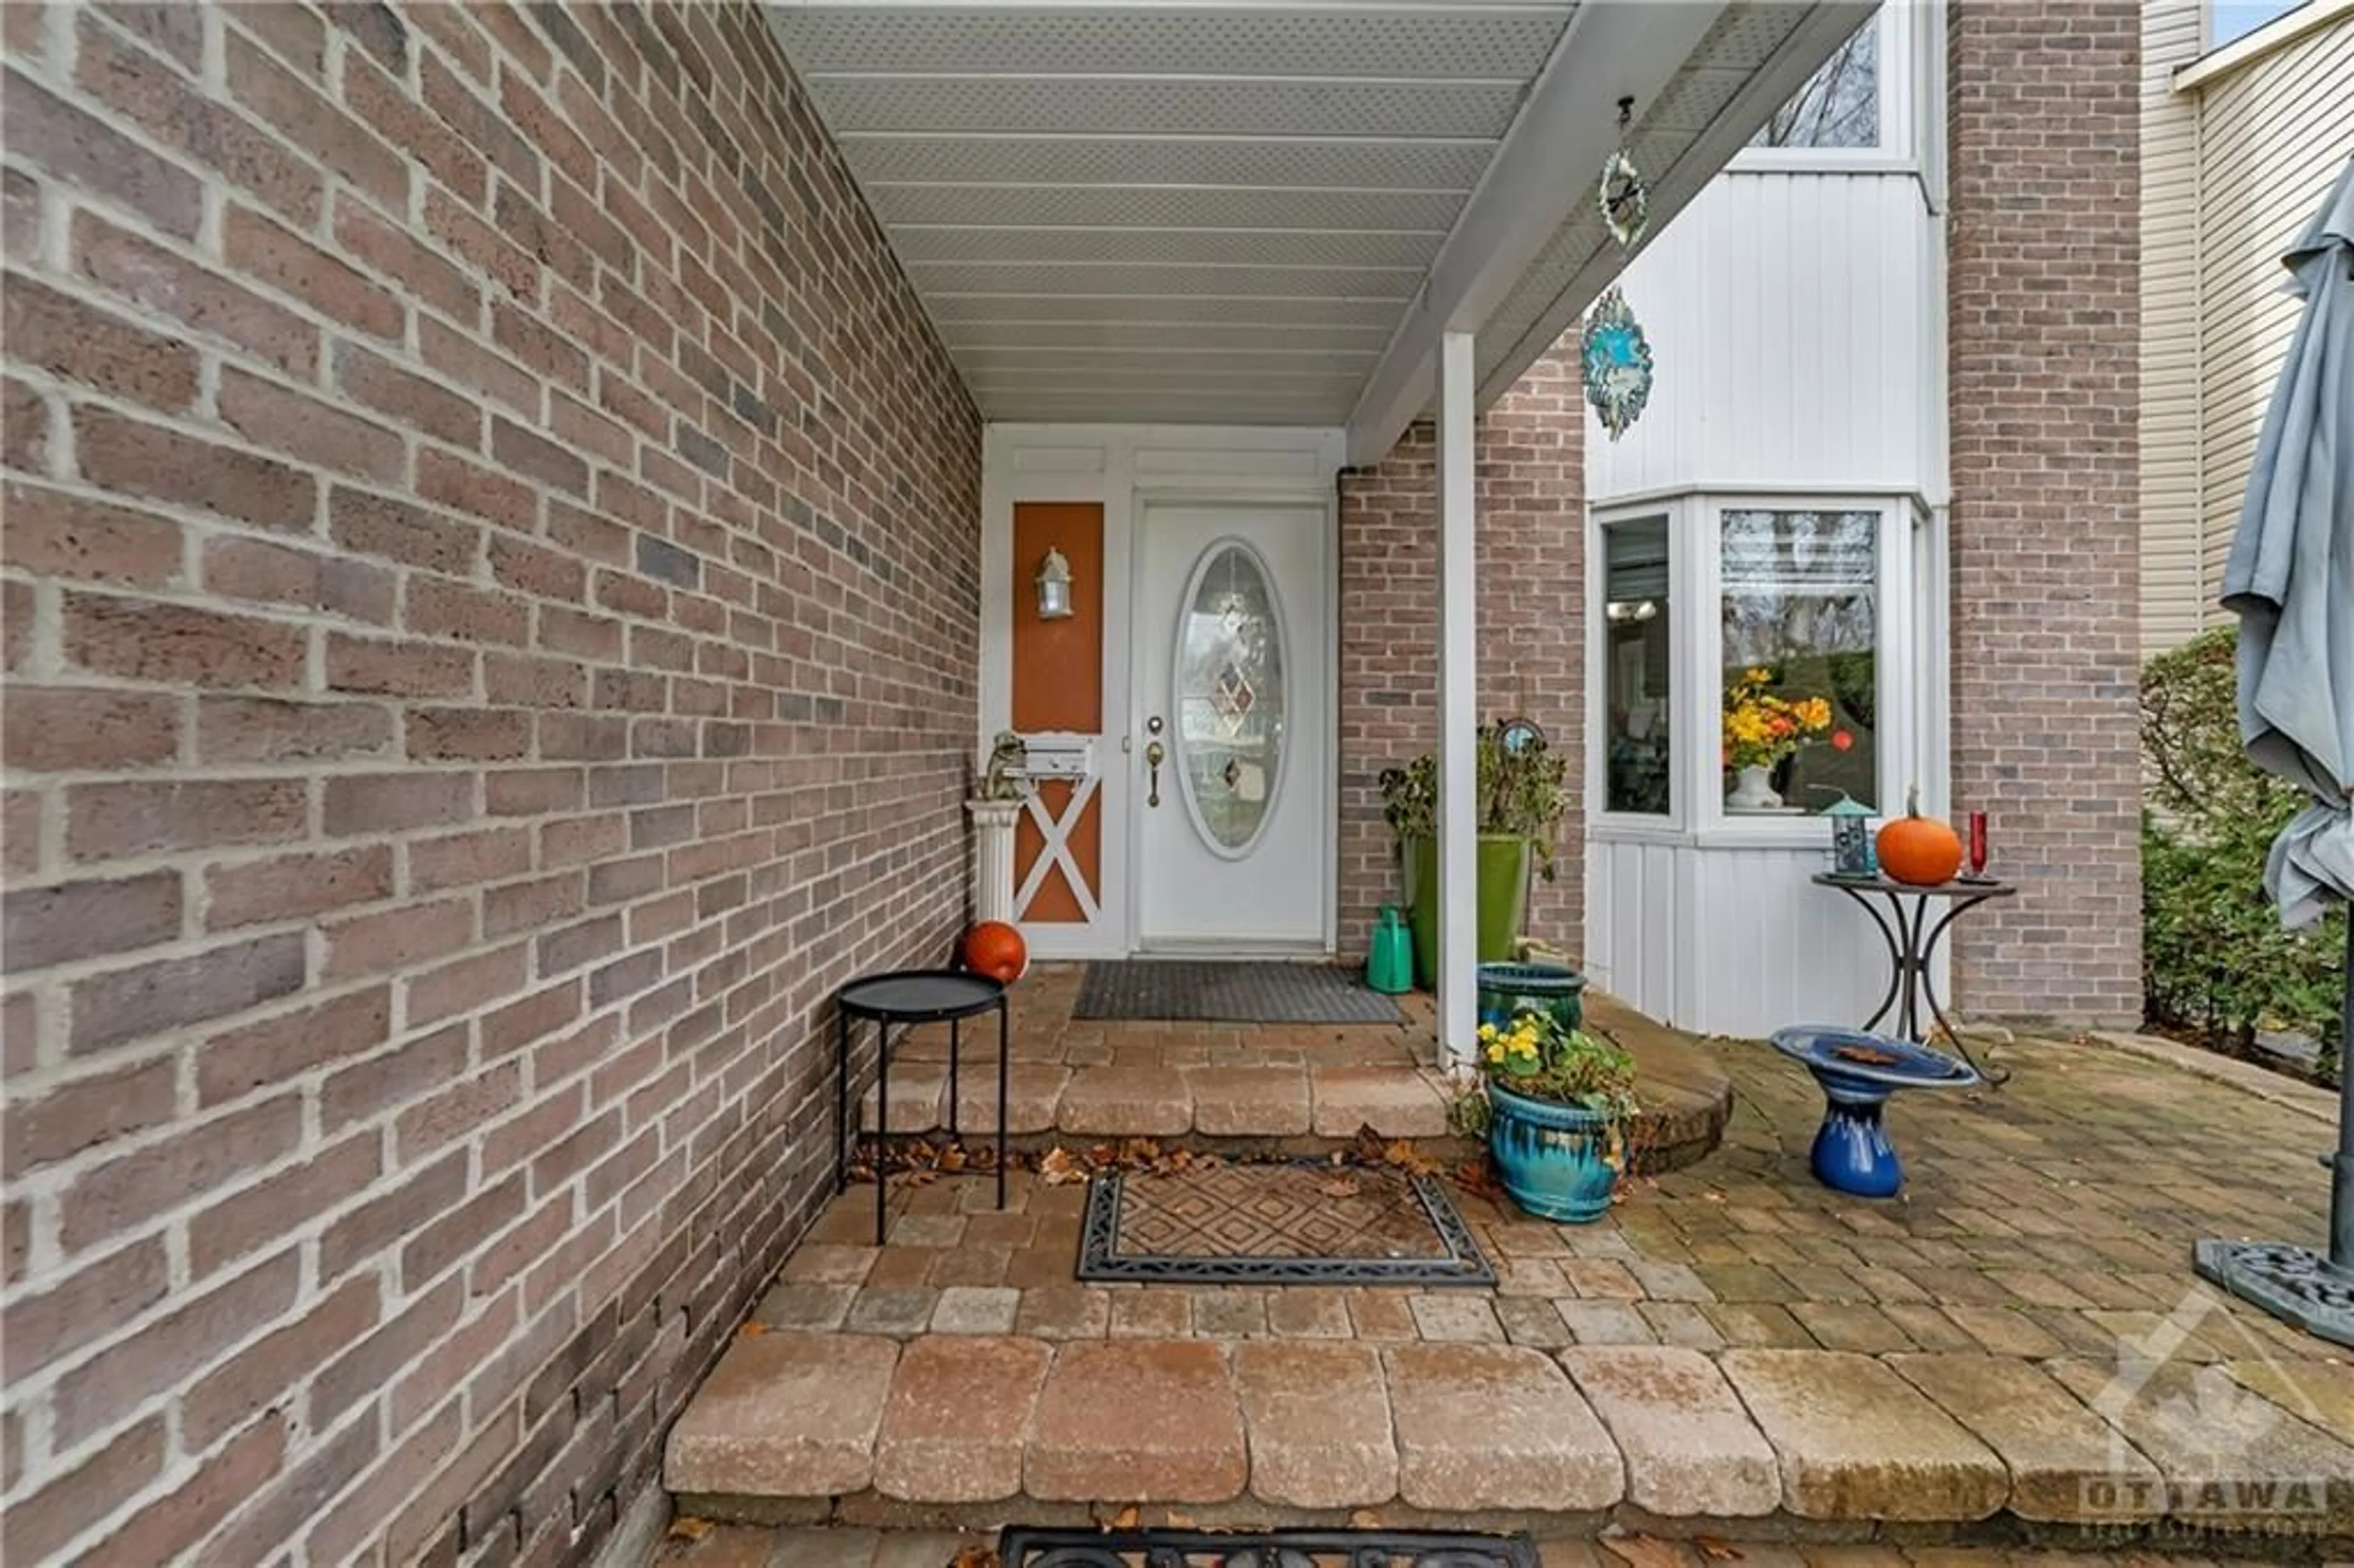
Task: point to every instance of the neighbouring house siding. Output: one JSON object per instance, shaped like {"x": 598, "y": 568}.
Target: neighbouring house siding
{"x": 2233, "y": 168}
{"x": 2043, "y": 308}
{"x": 491, "y": 594}
{"x": 2173, "y": 608}
{"x": 2273, "y": 136}
{"x": 1531, "y": 617}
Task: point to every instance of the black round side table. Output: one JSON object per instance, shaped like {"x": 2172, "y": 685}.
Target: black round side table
{"x": 1911, "y": 942}
{"x": 906, "y": 998}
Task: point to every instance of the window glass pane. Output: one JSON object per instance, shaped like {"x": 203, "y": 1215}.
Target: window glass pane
{"x": 1839, "y": 105}
{"x": 1230, "y": 698}
{"x": 2227, "y": 20}
{"x": 1635, "y": 658}
{"x": 1801, "y": 667}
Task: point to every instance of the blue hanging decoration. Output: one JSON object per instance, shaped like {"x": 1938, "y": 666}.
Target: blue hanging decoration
{"x": 1616, "y": 360}
{"x": 1615, "y": 354}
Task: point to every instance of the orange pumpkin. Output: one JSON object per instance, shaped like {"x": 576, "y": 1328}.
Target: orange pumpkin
{"x": 1918, "y": 850}
{"x": 996, "y": 949}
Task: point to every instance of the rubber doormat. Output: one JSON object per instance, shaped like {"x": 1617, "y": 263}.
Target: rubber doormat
{"x": 1019, "y": 1546}
{"x": 1225, "y": 992}
{"x": 1294, "y": 1222}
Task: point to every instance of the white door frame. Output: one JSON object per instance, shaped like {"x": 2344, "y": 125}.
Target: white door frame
{"x": 1123, "y": 467}
{"x": 1140, "y": 700}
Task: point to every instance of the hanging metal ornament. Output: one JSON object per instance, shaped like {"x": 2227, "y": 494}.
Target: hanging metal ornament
{"x": 1616, "y": 360}
{"x": 1624, "y": 197}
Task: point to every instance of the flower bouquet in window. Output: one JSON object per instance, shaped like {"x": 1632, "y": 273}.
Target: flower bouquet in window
{"x": 1762, "y": 729}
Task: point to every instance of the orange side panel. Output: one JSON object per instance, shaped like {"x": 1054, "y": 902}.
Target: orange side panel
{"x": 1059, "y": 664}
{"x": 1056, "y": 903}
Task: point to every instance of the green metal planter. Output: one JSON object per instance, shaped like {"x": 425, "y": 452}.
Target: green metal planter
{"x": 1504, "y": 863}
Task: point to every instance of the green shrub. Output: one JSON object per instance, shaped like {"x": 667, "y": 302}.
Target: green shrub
{"x": 2214, "y": 957}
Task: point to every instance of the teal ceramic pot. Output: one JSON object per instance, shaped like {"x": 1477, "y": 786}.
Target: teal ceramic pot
{"x": 1551, "y": 1158}
{"x": 1507, "y": 990}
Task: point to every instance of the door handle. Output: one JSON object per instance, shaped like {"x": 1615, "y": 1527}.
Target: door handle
{"x": 1154, "y": 754}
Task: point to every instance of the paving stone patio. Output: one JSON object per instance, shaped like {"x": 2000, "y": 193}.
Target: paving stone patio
{"x": 1290, "y": 1085}
{"x": 1733, "y": 1345}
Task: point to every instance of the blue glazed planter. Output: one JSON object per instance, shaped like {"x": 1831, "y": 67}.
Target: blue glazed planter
{"x": 1506, "y": 990}
{"x": 1551, "y": 1158}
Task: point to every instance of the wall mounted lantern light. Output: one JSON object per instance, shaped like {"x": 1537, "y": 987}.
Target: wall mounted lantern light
{"x": 1053, "y": 586}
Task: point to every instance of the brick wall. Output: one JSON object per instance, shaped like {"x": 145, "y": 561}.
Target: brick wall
{"x": 2042, "y": 301}
{"x": 491, "y": 591}
{"x": 1531, "y": 513}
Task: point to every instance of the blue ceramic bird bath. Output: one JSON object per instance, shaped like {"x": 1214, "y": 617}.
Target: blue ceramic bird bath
{"x": 1857, "y": 1073}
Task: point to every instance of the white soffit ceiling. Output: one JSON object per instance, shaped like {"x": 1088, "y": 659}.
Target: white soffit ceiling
{"x": 1124, "y": 210}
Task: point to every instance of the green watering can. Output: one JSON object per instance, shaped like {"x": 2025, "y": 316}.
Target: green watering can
{"x": 1389, "y": 962}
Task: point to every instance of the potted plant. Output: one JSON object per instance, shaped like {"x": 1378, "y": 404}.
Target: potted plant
{"x": 1762, "y": 730}
{"x": 1518, "y": 796}
{"x": 1557, "y": 1102}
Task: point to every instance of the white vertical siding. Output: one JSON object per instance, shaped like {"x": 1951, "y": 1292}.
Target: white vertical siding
{"x": 1784, "y": 310}
{"x": 2172, "y": 606}
{"x": 1777, "y": 950}
{"x": 2272, "y": 137}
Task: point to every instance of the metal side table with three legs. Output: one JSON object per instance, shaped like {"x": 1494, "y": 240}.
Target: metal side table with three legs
{"x": 908, "y": 997}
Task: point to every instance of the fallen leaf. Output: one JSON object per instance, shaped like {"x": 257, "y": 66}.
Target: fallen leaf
{"x": 1645, "y": 1551}
{"x": 686, "y": 1527}
{"x": 1126, "y": 1518}
{"x": 1340, "y": 1187}
{"x": 977, "y": 1556}
{"x": 1864, "y": 1053}
{"x": 749, "y": 1330}
{"x": 1475, "y": 1177}
{"x": 1057, "y": 1168}
{"x": 1364, "y": 1518}
{"x": 952, "y": 1159}
{"x": 1717, "y": 1550}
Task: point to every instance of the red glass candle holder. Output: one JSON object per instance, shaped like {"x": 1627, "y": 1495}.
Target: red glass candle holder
{"x": 1977, "y": 843}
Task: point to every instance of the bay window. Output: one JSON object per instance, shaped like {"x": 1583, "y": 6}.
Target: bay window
{"x": 1808, "y": 664}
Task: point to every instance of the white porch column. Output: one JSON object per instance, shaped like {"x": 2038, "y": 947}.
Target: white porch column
{"x": 1459, "y": 701}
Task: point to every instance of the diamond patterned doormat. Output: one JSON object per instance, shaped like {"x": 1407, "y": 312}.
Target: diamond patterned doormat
{"x": 1019, "y": 1546}
{"x": 1225, "y": 991}
{"x": 1304, "y": 1222}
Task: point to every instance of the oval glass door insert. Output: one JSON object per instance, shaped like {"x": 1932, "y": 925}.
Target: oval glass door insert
{"x": 1230, "y": 697}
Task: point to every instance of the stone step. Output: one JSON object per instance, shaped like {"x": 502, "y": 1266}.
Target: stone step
{"x": 1300, "y": 1100}
{"x": 972, "y": 1430}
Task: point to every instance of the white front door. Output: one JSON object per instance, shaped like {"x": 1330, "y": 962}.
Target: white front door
{"x": 1235, "y": 822}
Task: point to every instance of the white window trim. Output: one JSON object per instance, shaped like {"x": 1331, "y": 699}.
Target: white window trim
{"x": 1893, "y": 660}
{"x": 1906, "y": 675}
{"x": 1633, "y": 825}
{"x": 1899, "y": 108}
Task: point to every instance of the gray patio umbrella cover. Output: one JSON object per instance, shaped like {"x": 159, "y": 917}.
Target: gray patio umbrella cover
{"x": 2290, "y": 576}
{"x": 2291, "y": 580}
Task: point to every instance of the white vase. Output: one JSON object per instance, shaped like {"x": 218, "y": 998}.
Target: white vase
{"x": 1753, "y": 790}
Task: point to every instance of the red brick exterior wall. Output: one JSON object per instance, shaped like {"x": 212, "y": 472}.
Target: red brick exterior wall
{"x": 1531, "y": 532}
{"x": 491, "y": 595}
{"x": 2043, "y": 307}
